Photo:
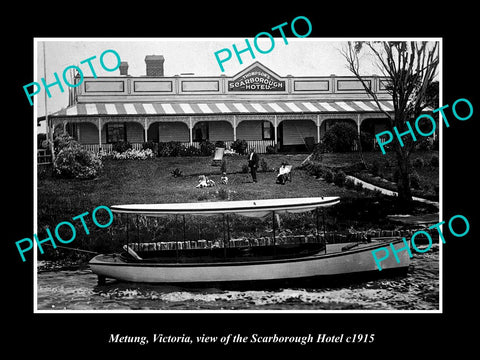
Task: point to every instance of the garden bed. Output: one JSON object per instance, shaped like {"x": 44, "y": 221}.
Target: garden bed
{"x": 381, "y": 170}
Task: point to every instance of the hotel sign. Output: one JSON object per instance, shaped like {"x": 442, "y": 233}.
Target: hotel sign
{"x": 256, "y": 79}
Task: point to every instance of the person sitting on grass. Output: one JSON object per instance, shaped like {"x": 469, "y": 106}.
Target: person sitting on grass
{"x": 210, "y": 182}
{"x": 204, "y": 181}
{"x": 282, "y": 173}
{"x": 224, "y": 179}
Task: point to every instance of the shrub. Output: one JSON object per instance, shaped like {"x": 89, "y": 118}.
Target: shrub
{"x": 367, "y": 140}
{"x": 245, "y": 168}
{"x": 328, "y": 175}
{"x": 339, "y": 178}
{"x": 150, "y": 145}
{"x": 223, "y": 166}
{"x": 414, "y": 180}
{"x": 263, "y": 165}
{"x": 76, "y": 163}
{"x": 271, "y": 149}
{"x": 176, "y": 173}
{"x": 318, "y": 151}
{"x": 358, "y": 186}
{"x": 349, "y": 183}
{"x": 171, "y": 148}
{"x": 376, "y": 168}
{"x": 424, "y": 144}
{"x": 434, "y": 161}
{"x": 190, "y": 151}
{"x": 316, "y": 170}
{"x": 340, "y": 137}
{"x": 121, "y": 146}
{"x": 426, "y": 188}
{"x": 62, "y": 141}
{"x": 418, "y": 163}
{"x": 240, "y": 146}
{"x": 207, "y": 148}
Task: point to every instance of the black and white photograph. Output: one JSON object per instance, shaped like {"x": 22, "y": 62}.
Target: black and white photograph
{"x": 280, "y": 184}
{"x": 240, "y": 180}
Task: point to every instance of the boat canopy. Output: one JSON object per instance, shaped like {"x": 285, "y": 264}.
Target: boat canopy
{"x": 250, "y": 208}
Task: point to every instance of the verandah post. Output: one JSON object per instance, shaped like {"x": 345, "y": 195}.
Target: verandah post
{"x": 145, "y": 130}
{"x": 234, "y": 128}
{"x": 318, "y": 128}
{"x": 190, "y": 130}
{"x": 275, "y": 126}
{"x": 99, "y": 134}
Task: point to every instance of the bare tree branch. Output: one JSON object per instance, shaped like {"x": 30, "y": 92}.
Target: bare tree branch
{"x": 411, "y": 68}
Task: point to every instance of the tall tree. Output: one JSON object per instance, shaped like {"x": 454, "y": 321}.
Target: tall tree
{"x": 410, "y": 68}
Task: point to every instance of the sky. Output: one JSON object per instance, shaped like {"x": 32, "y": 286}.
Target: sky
{"x": 300, "y": 57}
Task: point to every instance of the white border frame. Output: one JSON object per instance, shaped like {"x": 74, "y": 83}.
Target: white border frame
{"x": 35, "y": 115}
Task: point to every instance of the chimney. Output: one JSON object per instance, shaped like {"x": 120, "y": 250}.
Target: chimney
{"x": 124, "y": 68}
{"x": 154, "y": 65}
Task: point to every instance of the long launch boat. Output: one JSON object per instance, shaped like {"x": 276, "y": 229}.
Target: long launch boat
{"x": 271, "y": 258}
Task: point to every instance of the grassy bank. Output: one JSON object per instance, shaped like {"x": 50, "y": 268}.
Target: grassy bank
{"x": 152, "y": 181}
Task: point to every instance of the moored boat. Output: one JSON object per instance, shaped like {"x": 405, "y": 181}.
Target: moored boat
{"x": 273, "y": 258}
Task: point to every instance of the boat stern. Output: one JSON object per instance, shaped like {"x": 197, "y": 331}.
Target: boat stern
{"x": 103, "y": 264}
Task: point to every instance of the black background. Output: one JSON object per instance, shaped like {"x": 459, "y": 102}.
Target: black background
{"x": 61, "y": 335}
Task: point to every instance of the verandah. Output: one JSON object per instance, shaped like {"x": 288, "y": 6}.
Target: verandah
{"x": 260, "y": 131}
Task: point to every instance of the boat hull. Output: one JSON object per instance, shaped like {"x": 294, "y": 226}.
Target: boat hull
{"x": 355, "y": 261}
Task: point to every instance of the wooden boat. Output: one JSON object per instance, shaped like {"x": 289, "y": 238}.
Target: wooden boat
{"x": 248, "y": 260}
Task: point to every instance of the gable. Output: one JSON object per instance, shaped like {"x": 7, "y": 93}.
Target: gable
{"x": 256, "y": 77}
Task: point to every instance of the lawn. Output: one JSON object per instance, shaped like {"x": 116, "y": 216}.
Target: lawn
{"x": 152, "y": 181}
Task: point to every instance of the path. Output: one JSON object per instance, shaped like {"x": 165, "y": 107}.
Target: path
{"x": 388, "y": 192}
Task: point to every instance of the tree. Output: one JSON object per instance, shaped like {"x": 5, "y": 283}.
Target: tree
{"x": 340, "y": 137}
{"x": 410, "y": 69}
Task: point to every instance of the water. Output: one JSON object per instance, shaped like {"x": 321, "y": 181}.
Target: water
{"x": 78, "y": 290}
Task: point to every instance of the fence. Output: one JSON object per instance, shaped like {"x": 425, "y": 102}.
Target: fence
{"x": 259, "y": 145}
{"x": 43, "y": 157}
{"x": 108, "y": 148}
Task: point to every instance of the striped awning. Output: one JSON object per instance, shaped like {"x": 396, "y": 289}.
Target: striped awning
{"x": 232, "y": 107}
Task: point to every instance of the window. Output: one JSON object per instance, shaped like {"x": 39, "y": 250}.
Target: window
{"x": 267, "y": 130}
{"x": 116, "y": 132}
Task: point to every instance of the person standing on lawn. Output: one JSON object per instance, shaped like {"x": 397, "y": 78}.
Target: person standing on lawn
{"x": 253, "y": 163}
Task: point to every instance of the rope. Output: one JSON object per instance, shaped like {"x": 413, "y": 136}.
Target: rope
{"x": 74, "y": 249}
